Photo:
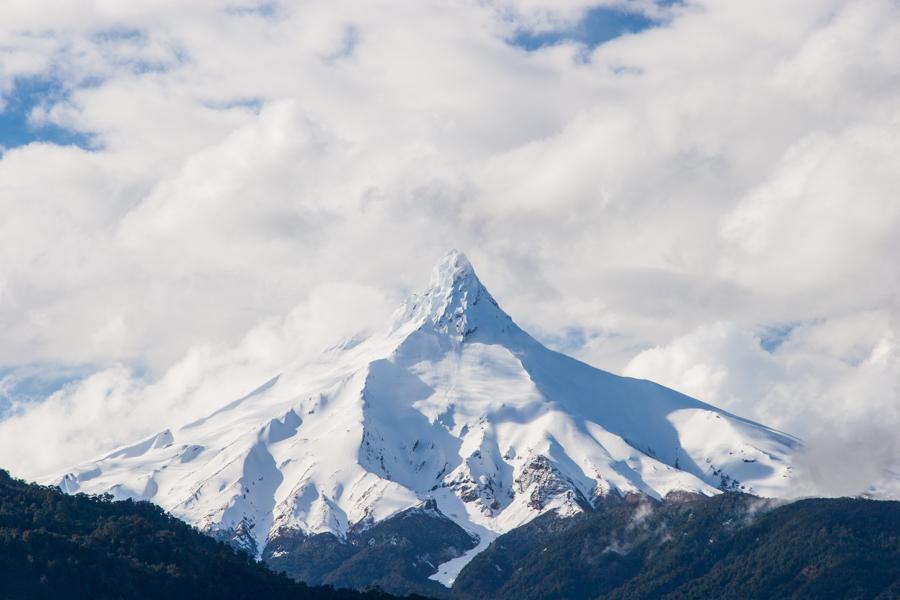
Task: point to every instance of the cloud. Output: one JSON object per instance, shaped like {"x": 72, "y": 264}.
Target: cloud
{"x": 671, "y": 196}
{"x": 93, "y": 414}
{"x": 834, "y": 382}
{"x": 717, "y": 362}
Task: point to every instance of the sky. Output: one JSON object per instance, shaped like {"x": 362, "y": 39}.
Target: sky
{"x": 703, "y": 193}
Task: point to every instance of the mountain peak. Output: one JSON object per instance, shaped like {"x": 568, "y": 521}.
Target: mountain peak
{"x": 455, "y": 403}
{"x": 455, "y": 302}
{"x": 453, "y": 274}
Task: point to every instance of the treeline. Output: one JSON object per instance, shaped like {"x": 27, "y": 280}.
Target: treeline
{"x": 57, "y": 546}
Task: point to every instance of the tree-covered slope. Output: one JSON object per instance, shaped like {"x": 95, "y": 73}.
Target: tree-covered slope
{"x": 728, "y": 546}
{"x": 53, "y": 545}
{"x": 397, "y": 555}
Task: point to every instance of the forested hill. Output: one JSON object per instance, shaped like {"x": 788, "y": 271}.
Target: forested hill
{"x": 731, "y": 546}
{"x": 57, "y": 546}
{"x": 53, "y": 545}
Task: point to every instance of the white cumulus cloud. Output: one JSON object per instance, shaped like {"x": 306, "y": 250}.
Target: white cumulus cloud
{"x": 668, "y": 198}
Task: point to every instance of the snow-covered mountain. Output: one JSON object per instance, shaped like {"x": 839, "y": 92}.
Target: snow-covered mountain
{"x": 453, "y": 406}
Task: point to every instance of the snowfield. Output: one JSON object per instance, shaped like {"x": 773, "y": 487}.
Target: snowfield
{"x": 452, "y": 402}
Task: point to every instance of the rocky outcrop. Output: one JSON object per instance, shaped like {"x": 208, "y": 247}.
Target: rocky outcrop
{"x": 397, "y": 554}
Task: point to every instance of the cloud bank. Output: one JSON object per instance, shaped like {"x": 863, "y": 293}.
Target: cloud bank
{"x": 709, "y": 202}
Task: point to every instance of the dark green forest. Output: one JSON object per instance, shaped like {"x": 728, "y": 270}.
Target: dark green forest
{"x": 735, "y": 546}
{"x": 731, "y": 546}
{"x": 57, "y": 546}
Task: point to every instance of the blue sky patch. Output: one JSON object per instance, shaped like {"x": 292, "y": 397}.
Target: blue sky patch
{"x": 34, "y": 383}
{"x": 773, "y": 337}
{"x": 571, "y": 340}
{"x": 110, "y": 40}
{"x": 27, "y": 94}
{"x": 266, "y": 10}
{"x": 597, "y": 26}
{"x": 252, "y": 104}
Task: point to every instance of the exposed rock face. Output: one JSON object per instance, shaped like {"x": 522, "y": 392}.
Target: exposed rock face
{"x": 240, "y": 536}
{"x": 397, "y": 555}
{"x": 543, "y": 483}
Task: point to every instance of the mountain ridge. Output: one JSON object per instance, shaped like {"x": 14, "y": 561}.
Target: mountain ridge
{"x": 454, "y": 404}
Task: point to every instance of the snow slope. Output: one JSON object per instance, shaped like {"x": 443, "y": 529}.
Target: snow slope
{"x": 453, "y": 401}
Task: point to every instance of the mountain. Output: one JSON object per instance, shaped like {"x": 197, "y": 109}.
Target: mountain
{"x": 452, "y": 411}
{"x": 57, "y": 546}
{"x": 694, "y": 547}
